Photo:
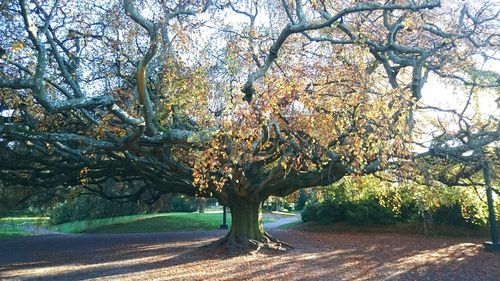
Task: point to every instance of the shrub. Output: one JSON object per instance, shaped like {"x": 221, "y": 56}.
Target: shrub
{"x": 368, "y": 212}
{"x": 309, "y": 212}
{"x": 60, "y": 213}
{"x": 301, "y": 200}
{"x": 365, "y": 212}
{"x": 89, "y": 207}
{"x": 453, "y": 215}
{"x": 409, "y": 211}
{"x": 333, "y": 211}
{"x": 94, "y": 207}
{"x": 181, "y": 203}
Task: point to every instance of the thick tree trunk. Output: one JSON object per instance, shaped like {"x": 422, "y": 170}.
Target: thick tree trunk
{"x": 246, "y": 221}
{"x": 247, "y": 231}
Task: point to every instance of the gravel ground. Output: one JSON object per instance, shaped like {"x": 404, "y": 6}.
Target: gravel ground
{"x": 178, "y": 256}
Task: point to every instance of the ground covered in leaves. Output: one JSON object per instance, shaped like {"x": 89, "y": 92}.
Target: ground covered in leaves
{"x": 179, "y": 256}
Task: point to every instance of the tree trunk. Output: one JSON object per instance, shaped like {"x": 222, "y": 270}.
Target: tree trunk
{"x": 246, "y": 221}
{"x": 202, "y": 203}
{"x": 247, "y": 232}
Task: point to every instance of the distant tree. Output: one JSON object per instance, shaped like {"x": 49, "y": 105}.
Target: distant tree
{"x": 301, "y": 200}
{"x": 465, "y": 151}
{"x": 238, "y": 100}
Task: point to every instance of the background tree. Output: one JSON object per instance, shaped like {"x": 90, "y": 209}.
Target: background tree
{"x": 238, "y": 100}
{"x": 465, "y": 151}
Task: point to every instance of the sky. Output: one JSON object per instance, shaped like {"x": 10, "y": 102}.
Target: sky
{"x": 436, "y": 93}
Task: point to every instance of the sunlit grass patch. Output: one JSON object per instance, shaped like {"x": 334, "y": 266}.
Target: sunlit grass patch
{"x": 145, "y": 223}
{"x": 15, "y": 226}
{"x": 166, "y": 222}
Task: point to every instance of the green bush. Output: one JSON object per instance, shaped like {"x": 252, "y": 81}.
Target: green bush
{"x": 452, "y": 215}
{"x": 94, "y": 207}
{"x": 89, "y": 207}
{"x": 409, "y": 211}
{"x": 310, "y": 211}
{"x": 181, "y": 203}
{"x": 333, "y": 211}
{"x": 368, "y": 212}
{"x": 60, "y": 213}
{"x": 365, "y": 212}
{"x": 344, "y": 204}
{"x": 301, "y": 200}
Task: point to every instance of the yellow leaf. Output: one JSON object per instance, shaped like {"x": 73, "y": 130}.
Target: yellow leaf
{"x": 16, "y": 46}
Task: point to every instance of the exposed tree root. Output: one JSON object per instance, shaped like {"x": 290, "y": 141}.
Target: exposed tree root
{"x": 231, "y": 244}
{"x": 281, "y": 243}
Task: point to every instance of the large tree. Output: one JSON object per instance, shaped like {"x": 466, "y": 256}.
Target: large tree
{"x": 238, "y": 100}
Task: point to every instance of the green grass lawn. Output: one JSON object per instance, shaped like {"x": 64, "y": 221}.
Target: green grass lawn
{"x": 12, "y": 226}
{"x": 86, "y": 225}
{"x": 125, "y": 224}
{"x": 37, "y": 221}
{"x": 146, "y": 223}
{"x": 12, "y": 234}
{"x": 166, "y": 222}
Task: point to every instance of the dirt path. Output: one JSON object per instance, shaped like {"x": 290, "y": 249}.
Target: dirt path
{"x": 178, "y": 256}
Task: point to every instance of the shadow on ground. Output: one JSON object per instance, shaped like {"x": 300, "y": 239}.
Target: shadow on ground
{"x": 179, "y": 255}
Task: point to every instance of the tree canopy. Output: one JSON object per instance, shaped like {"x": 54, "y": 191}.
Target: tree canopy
{"x": 238, "y": 100}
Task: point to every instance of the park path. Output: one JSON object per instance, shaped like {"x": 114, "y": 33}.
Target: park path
{"x": 282, "y": 221}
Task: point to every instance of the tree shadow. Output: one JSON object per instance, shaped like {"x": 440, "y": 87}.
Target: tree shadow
{"x": 82, "y": 256}
{"x": 351, "y": 256}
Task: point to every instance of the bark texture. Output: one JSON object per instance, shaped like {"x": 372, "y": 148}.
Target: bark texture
{"x": 247, "y": 232}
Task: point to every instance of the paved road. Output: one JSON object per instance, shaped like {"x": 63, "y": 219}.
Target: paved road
{"x": 282, "y": 221}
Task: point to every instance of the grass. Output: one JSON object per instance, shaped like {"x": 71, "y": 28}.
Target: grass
{"x": 13, "y": 234}
{"x": 10, "y": 227}
{"x": 148, "y": 223}
{"x": 166, "y": 222}
{"x": 13, "y": 226}
{"x": 86, "y": 225}
{"x": 34, "y": 221}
